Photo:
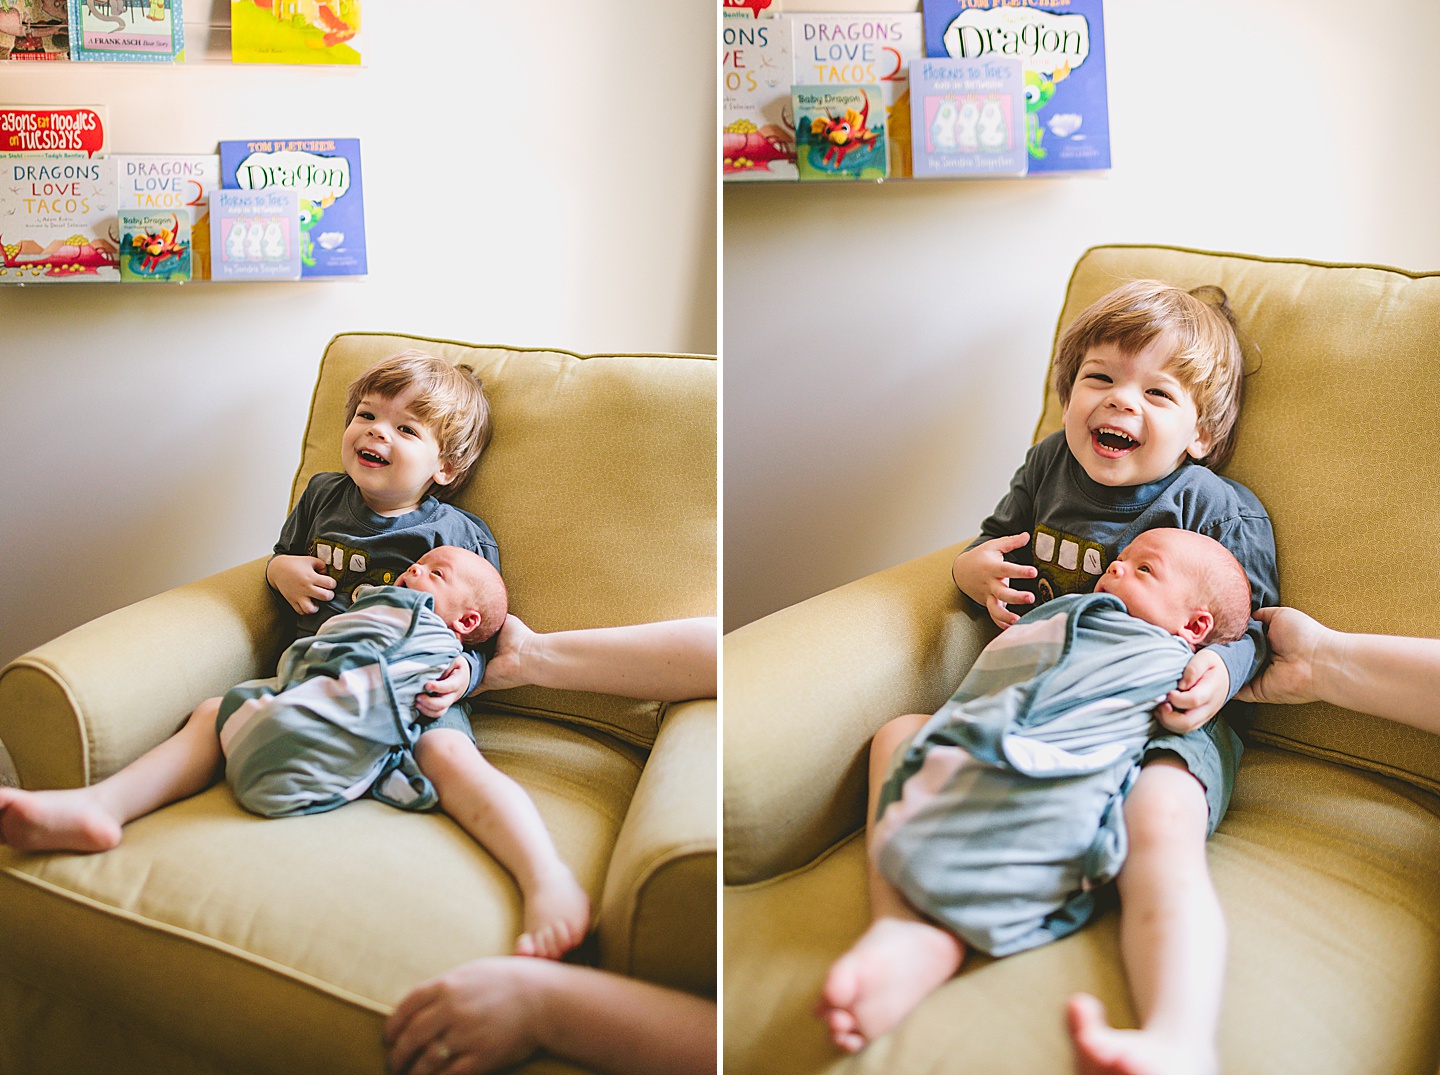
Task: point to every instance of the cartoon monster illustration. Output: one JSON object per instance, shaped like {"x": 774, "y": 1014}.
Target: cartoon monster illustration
{"x": 844, "y": 133}
{"x": 310, "y": 215}
{"x": 1038, "y": 91}
{"x": 158, "y": 247}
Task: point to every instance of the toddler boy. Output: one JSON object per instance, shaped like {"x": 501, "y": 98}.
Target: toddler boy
{"x": 1150, "y": 379}
{"x": 415, "y": 426}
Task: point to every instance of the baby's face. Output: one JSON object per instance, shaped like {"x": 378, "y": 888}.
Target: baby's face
{"x": 451, "y": 575}
{"x": 1151, "y": 577}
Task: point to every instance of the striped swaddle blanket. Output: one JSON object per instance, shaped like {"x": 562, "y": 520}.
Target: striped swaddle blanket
{"x": 338, "y": 719}
{"x": 1004, "y": 812}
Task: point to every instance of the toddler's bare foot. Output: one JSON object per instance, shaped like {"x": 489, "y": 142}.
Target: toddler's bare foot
{"x": 1101, "y": 1049}
{"x": 65, "y": 820}
{"x": 557, "y": 917}
{"x": 895, "y": 965}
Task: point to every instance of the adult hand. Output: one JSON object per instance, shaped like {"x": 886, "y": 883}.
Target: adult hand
{"x": 440, "y": 694}
{"x": 1294, "y": 640}
{"x": 983, "y": 574}
{"x": 1198, "y": 696}
{"x": 514, "y": 649}
{"x": 301, "y": 580}
{"x": 480, "y": 1016}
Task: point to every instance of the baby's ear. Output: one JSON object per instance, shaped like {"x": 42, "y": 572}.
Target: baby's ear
{"x": 466, "y": 623}
{"x": 1198, "y": 627}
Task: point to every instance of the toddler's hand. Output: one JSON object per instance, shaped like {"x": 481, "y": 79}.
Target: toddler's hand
{"x": 1201, "y": 692}
{"x": 440, "y": 694}
{"x": 983, "y": 574}
{"x": 301, "y": 580}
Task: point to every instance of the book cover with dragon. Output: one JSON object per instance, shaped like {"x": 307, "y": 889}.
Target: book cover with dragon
{"x": 840, "y": 132}
{"x": 154, "y": 246}
{"x": 58, "y": 220}
{"x": 127, "y": 31}
{"x": 1061, "y": 44}
{"x": 325, "y": 174}
{"x": 863, "y": 50}
{"x": 34, "y": 30}
{"x": 179, "y": 182}
{"x": 968, "y": 117}
{"x": 257, "y": 234}
{"x": 57, "y": 130}
{"x": 296, "y": 31}
{"x": 758, "y": 128}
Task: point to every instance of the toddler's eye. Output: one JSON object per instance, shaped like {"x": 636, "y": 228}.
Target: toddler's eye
{"x": 1144, "y": 567}
{"x": 409, "y": 431}
{"x": 1162, "y": 394}
{"x": 365, "y": 415}
{"x": 1101, "y": 377}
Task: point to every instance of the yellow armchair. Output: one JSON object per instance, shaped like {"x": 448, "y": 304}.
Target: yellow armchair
{"x": 214, "y": 941}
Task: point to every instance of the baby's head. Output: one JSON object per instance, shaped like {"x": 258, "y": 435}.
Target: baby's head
{"x": 447, "y": 400}
{"x": 1185, "y": 582}
{"x": 469, "y": 593}
{"x": 1149, "y": 374}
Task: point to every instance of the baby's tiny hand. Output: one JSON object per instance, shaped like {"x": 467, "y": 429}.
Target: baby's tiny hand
{"x": 1198, "y": 696}
{"x": 440, "y": 694}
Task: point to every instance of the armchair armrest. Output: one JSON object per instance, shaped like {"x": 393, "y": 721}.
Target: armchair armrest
{"x": 807, "y": 687}
{"x": 82, "y": 706}
{"x": 657, "y": 915}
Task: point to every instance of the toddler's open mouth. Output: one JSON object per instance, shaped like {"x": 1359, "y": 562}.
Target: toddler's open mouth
{"x": 1111, "y": 442}
{"x": 371, "y": 459}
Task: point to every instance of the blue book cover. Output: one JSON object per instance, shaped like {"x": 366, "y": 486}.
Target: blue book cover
{"x": 135, "y": 31}
{"x": 325, "y": 174}
{"x": 256, "y": 234}
{"x": 1061, "y": 44}
{"x": 840, "y": 132}
{"x": 967, "y": 117}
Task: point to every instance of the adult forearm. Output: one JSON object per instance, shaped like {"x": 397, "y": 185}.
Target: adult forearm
{"x": 622, "y": 1026}
{"x": 1384, "y": 675}
{"x": 668, "y": 661}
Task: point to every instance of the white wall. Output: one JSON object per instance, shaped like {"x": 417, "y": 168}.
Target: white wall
{"x": 885, "y": 345}
{"x": 534, "y": 175}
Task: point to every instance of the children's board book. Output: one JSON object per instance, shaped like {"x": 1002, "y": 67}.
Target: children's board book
{"x": 179, "y": 182}
{"x": 325, "y": 173}
{"x": 863, "y": 50}
{"x": 755, "y": 9}
{"x": 295, "y": 31}
{"x": 257, "y": 234}
{"x": 57, "y": 220}
{"x": 129, "y": 31}
{"x": 154, "y": 246}
{"x": 758, "y": 136}
{"x": 34, "y": 30}
{"x": 840, "y": 132}
{"x": 968, "y": 117}
{"x": 59, "y": 130}
{"x": 1062, "y": 46}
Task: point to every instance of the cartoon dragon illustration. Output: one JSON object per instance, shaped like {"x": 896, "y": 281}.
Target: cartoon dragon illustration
{"x": 1038, "y": 91}
{"x": 159, "y": 246}
{"x": 844, "y": 133}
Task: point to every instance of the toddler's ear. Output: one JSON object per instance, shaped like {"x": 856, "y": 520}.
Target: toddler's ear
{"x": 1199, "y": 447}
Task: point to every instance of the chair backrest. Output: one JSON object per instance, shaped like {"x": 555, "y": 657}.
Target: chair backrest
{"x": 1338, "y": 436}
{"x": 599, "y": 484}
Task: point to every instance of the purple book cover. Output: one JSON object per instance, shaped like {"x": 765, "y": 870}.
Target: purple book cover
{"x": 1062, "y": 46}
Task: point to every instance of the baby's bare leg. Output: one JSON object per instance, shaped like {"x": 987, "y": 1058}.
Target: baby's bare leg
{"x": 90, "y": 818}
{"x": 496, "y": 811}
{"x": 1172, "y": 939}
{"x": 902, "y": 958}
